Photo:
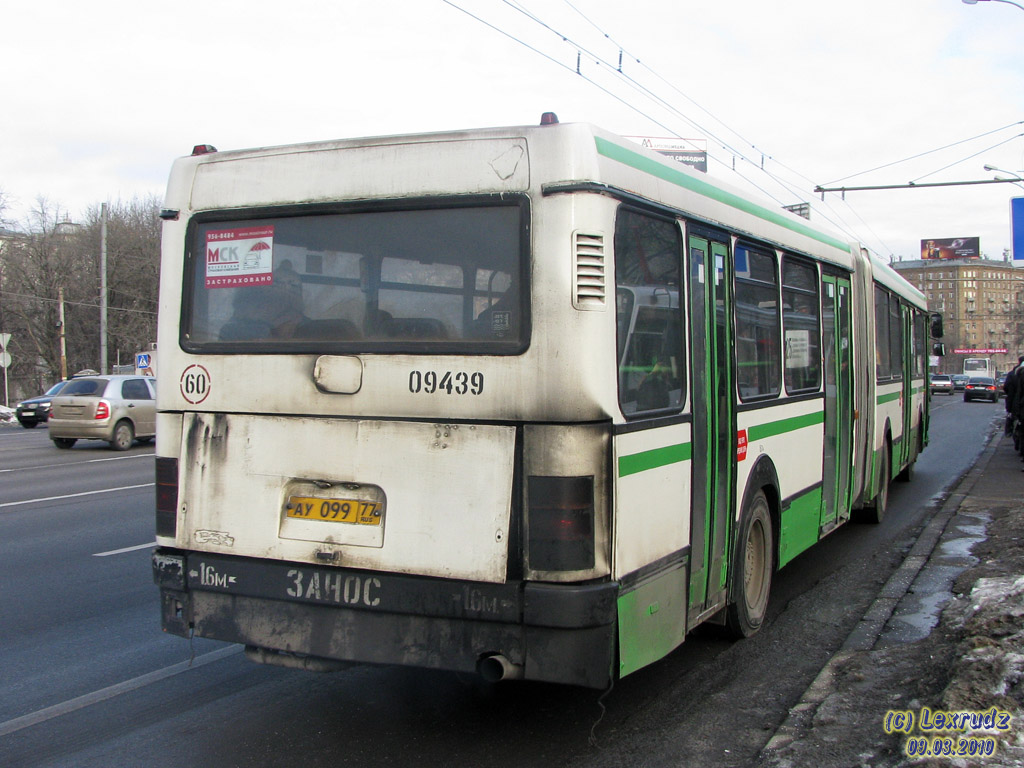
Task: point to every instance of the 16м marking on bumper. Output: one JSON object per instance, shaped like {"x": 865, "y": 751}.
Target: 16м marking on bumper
{"x": 208, "y": 577}
{"x": 351, "y": 590}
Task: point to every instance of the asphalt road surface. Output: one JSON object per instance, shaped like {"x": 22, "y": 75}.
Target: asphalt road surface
{"x": 88, "y": 679}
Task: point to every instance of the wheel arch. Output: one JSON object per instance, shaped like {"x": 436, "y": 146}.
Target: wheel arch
{"x": 763, "y": 477}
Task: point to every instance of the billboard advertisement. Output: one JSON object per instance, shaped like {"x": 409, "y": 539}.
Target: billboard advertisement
{"x": 951, "y": 248}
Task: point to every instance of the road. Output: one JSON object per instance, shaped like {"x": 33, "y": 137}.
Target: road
{"x": 89, "y": 679}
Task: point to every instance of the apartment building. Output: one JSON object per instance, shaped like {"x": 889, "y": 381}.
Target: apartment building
{"x": 982, "y": 304}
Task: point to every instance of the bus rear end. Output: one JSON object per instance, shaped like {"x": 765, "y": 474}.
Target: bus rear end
{"x": 374, "y": 441}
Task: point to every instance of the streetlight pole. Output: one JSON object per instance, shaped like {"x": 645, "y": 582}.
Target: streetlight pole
{"x": 1008, "y": 2}
{"x": 103, "y": 288}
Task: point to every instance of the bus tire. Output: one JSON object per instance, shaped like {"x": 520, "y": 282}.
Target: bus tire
{"x": 753, "y": 564}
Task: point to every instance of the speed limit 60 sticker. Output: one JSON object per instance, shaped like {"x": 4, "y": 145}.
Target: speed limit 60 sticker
{"x": 195, "y": 384}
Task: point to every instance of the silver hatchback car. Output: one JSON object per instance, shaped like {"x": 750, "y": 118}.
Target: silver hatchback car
{"x": 118, "y": 409}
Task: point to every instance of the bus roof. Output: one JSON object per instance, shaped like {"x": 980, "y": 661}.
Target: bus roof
{"x": 544, "y": 159}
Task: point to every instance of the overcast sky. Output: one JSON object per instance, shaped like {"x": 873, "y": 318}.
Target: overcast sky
{"x": 99, "y": 98}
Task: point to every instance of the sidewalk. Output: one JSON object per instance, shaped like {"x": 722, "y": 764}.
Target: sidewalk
{"x": 965, "y": 573}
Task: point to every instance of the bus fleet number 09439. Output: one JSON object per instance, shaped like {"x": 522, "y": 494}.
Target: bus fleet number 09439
{"x": 449, "y": 382}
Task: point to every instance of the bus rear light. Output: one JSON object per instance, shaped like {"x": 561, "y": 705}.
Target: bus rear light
{"x": 166, "y": 496}
{"x": 203, "y": 149}
{"x": 560, "y": 523}
{"x": 102, "y": 410}
{"x": 549, "y": 118}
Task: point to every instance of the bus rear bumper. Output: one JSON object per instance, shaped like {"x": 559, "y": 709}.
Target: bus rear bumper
{"x": 315, "y": 616}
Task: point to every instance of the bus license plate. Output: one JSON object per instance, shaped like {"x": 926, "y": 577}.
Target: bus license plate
{"x": 334, "y": 510}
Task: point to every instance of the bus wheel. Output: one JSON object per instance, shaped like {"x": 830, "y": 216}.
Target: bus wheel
{"x": 752, "y": 569}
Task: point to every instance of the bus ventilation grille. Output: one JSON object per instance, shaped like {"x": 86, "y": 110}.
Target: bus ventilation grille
{"x": 590, "y": 285}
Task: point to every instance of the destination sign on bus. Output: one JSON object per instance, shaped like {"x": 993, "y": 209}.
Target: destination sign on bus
{"x": 691, "y": 152}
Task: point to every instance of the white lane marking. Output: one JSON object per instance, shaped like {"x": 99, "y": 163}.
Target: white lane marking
{"x": 126, "y": 549}
{"x": 87, "y": 700}
{"x": 76, "y": 495}
{"x": 84, "y": 461}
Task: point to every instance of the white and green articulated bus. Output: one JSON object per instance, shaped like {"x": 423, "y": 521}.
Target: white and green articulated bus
{"x": 532, "y": 402}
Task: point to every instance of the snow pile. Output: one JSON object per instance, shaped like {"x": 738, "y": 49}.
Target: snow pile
{"x": 989, "y": 669}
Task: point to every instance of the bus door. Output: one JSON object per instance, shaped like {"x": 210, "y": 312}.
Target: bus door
{"x": 907, "y": 399}
{"x": 838, "y": 448}
{"x": 714, "y": 421}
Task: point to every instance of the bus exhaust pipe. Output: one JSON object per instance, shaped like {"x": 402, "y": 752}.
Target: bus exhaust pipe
{"x": 496, "y": 667}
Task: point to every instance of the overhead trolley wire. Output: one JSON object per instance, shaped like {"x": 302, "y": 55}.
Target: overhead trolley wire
{"x": 590, "y": 80}
{"x": 637, "y": 60}
{"x": 835, "y": 219}
{"x": 555, "y": 61}
{"x": 617, "y": 71}
{"x": 791, "y": 189}
{"x": 969, "y": 157}
{"x": 928, "y": 152}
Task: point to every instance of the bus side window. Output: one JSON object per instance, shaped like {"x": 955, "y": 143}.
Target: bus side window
{"x": 883, "y": 335}
{"x": 758, "y": 337}
{"x": 648, "y": 274}
{"x": 802, "y": 339}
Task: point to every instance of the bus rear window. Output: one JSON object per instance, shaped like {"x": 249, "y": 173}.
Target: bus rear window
{"x": 438, "y": 280}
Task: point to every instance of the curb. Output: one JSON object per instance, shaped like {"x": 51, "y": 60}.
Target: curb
{"x": 864, "y": 636}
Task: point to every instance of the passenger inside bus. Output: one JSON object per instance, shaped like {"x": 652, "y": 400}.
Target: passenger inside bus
{"x": 272, "y": 311}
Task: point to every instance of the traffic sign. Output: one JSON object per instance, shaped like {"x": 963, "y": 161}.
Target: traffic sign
{"x": 1017, "y": 227}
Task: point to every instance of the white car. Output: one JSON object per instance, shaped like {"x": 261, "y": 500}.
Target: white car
{"x": 941, "y": 382}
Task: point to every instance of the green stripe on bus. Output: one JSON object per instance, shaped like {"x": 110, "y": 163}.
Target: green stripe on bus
{"x": 648, "y": 165}
{"x": 773, "y": 428}
{"x": 888, "y": 398}
{"x": 657, "y": 457}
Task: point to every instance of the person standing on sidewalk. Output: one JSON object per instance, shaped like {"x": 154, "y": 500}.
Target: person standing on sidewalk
{"x": 1014, "y": 388}
{"x": 1009, "y": 385}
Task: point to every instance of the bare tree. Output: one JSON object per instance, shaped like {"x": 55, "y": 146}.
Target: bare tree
{"x": 53, "y": 255}
{"x": 37, "y": 265}
{"x": 133, "y": 271}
